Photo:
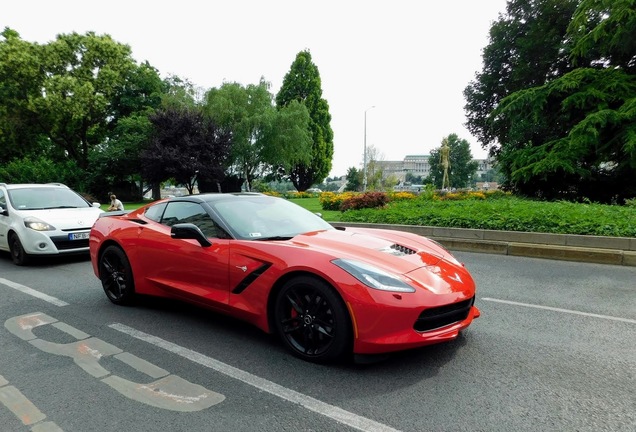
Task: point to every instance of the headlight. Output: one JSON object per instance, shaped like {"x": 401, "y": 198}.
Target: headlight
{"x": 373, "y": 277}
{"x": 37, "y": 224}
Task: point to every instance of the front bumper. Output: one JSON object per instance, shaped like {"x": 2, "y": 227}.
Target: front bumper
{"x": 53, "y": 242}
{"x": 387, "y": 329}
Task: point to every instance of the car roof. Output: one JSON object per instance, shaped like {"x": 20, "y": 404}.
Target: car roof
{"x": 33, "y": 185}
{"x": 215, "y": 197}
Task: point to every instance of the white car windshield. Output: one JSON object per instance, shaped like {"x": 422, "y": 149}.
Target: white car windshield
{"x": 44, "y": 198}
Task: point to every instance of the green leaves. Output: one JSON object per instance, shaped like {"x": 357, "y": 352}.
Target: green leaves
{"x": 302, "y": 84}
{"x": 571, "y": 133}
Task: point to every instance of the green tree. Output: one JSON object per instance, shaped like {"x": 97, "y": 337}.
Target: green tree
{"x": 354, "y": 180}
{"x": 526, "y": 48}
{"x": 374, "y": 170}
{"x": 83, "y": 75}
{"x": 302, "y": 83}
{"x": 575, "y": 135}
{"x": 20, "y": 82}
{"x": 462, "y": 166}
{"x": 115, "y": 164}
{"x": 41, "y": 170}
{"x": 264, "y": 139}
{"x": 413, "y": 179}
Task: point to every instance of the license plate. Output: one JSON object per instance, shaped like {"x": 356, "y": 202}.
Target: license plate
{"x": 78, "y": 236}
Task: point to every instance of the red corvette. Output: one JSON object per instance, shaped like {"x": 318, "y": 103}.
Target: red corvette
{"x": 326, "y": 292}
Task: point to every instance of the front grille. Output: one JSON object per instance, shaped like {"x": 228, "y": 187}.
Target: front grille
{"x": 441, "y": 316}
{"x": 63, "y": 243}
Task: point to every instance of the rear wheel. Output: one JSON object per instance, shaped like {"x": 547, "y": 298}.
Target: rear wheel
{"x": 18, "y": 255}
{"x": 116, "y": 276}
{"x": 312, "y": 320}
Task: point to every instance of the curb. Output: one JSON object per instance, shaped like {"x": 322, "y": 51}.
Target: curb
{"x": 568, "y": 247}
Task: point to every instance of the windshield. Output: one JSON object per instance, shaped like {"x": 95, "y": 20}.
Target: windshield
{"x": 43, "y": 198}
{"x": 264, "y": 217}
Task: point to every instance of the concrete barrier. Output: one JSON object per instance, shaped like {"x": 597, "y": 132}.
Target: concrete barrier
{"x": 595, "y": 249}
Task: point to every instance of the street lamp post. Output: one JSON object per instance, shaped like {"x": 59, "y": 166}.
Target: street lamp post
{"x": 364, "y": 166}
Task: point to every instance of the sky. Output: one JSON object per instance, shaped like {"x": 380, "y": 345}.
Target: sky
{"x": 402, "y": 64}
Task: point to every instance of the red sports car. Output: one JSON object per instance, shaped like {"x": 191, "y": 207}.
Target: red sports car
{"x": 326, "y": 292}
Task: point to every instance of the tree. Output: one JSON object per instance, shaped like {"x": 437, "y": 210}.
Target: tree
{"x": 526, "y": 48}
{"x": 462, "y": 167}
{"x": 374, "y": 171}
{"x": 82, "y": 77}
{"x": 64, "y": 101}
{"x": 302, "y": 83}
{"x": 354, "y": 180}
{"x": 575, "y": 135}
{"x": 265, "y": 139}
{"x": 115, "y": 164}
{"x": 413, "y": 179}
{"x": 186, "y": 146}
{"x": 20, "y": 82}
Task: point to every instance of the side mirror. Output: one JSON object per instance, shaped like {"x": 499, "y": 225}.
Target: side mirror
{"x": 96, "y": 204}
{"x": 4, "y": 211}
{"x": 189, "y": 231}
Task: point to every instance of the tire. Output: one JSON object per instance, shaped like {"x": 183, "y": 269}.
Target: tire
{"x": 18, "y": 255}
{"x": 116, "y": 276}
{"x": 312, "y": 321}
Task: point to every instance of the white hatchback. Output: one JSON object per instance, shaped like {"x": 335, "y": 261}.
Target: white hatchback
{"x": 44, "y": 219}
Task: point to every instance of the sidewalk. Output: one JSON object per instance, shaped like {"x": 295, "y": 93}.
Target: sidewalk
{"x": 593, "y": 249}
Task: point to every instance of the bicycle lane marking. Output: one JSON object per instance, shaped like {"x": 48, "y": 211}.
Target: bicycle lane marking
{"x": 168, "y": 391}
{"x": 338, "y": 414}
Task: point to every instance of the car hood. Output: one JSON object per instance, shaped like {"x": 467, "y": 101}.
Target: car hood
{"x": 70, "y": 218}
{"x": 399, "y": 252}
{"x": 422, "y": 261}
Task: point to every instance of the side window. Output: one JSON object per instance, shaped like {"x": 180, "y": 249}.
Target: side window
{"x": 154, "y": 213}
{"x": 185, "y": 212}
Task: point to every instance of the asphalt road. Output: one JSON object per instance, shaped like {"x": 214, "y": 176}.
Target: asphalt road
{"x": 553, "y": 350}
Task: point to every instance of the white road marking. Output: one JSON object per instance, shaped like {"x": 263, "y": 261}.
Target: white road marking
{"x": 554, "y": 309}
{"x": 333, "y": 412}
{"x": 32, "y": 292}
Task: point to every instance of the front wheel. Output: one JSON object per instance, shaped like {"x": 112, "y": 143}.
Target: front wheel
{"x": 116, "y": 276}
{"x": 312, "y": 320}
{"x": 18, "y": 254}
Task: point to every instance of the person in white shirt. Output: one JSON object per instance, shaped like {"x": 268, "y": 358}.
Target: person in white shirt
{"x": 115, "y": 204}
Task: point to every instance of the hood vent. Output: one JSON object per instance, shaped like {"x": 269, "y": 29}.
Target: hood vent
{"x": 398, "y": 250}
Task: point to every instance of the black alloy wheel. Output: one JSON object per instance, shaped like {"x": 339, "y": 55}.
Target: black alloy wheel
{"x": 116, "y": 276}
{"x": 312, "y": 320}
{"x": 18, "y": 255}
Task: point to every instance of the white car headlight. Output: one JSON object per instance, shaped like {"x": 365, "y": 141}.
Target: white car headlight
{"x": 373, "y": 277}
{"x": 37, "y": 224}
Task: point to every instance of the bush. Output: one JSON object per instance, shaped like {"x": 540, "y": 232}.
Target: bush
{"x": 365, "y": 200}
{"x": 505, "y": 213}
{"x": 333, "y": 201}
